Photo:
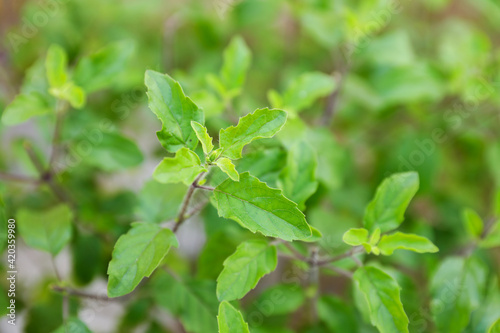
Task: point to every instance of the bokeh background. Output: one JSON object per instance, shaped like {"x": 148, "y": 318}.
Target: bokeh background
{"x": 416, "y": 88}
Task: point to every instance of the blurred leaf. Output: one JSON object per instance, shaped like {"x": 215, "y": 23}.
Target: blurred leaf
{"x": 24, "y": 107}
{"x": 492, "y": 239}
{"x": 473, "y": 223}
{"x": 48, "y": 230}
{"x": 244, "y": 268}
{"x": 338, "y": 316}
{"x": 184, "y": 167}
{"x": 110, "y": 152}
{"x": 73, "y": 325}
{"x": 193, "y": 301}
{"x": 393, "y": 195}
{"x": 230, "y": 320}
{"x": 263, "y": 123}
{"x": 495, "y": 327}
{"x": 298, "y": 178}
{"x": 306, "y": 89}
{"x": 101, "y": 69}
{"x": 258, "y": 207}
{"x": 280, "y": 299}
{"x": 237, "y": 58}
{"x": 136, "y": 255}
{"x": 174, "y": 109}
{"x": 159, "y": 202}
{"x": 457, "y": 289}
{"x": 55, "y": 65}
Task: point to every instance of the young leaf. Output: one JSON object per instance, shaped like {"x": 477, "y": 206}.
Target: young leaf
{"x": 192, "y": 301}
{"x": 387, "y": 209}
{"x": 174, "y": 109}
{"x": 110, "y": 152}
{"x": 307, "y": 88}
{"x": 263, "y": 123}
{"x": 473, "y": 223}
{"x": 355, "y": 236}
{"x": 244, "y": 268}
{"x": 375, "y": 237}
{"x": 237, "y": 58}
{"x": 203, "y": 137}
{"x": 389, "y": 243}
{"x": 136, "y": 255}
{"x": 228, "y": 168}
{"x": 258, "y": 207}
{"x": 48, "y": 230}
{"x": 230, "y": 320}
{"x": 457, "y": 289}
{"x": 298, "y": 178}
{"x": 55, "y": 66}
{"x": 381, "y": 293}
{"x": 72, "y": 93}
{"x": 24, "y": 107}
{"x": 184, "y": 167}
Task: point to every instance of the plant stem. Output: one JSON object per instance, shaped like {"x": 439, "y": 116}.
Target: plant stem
{"x": 185, "y": 202}
{"x": 60, "y": 109}
{"x": 351, "y": 253}
{"x": 78, "y": 293}
{"x": 18, "y": 178}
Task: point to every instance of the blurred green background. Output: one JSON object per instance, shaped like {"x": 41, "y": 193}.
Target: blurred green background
{"x": 416, "y": 88}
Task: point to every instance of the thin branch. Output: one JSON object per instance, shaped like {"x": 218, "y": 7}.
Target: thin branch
{"x": 18, "y": 178}
{"x": 351, "y": 253}
{"x": 185, "y": 202}
{"x": 57, "y": 132}
{"x": 207, "y": 188}
{"x": 78, "y": 293}
{"x": 296, "y": 253}
{"x": 333, "y": 98}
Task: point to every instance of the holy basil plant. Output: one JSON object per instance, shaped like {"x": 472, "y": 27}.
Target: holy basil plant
{"x": 277, "y": 223}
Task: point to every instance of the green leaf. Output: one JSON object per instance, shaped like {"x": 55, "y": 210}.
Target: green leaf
{"x": 3, "y": 225}
{"x": 203, "y": 137}
{"x": 307, "y": 88}
{"x": 237, "y": 58}
{"x": 73, "y": 325}
{"x": 228, "y": 168}
{"x": 389, "y": 243}
{"x": 258, "y": 207}
{"x": 230, "y": 320}
{"x": 355, "y": 236}
{"x": 495, "y": 327}
{"x": 298, "y": 178}
{"x": 110, "y": 152}
{"x": 457, "y": 289}
{"x": 55, "y": 66}
{"x": 102, "y": 69}
{"x": 72, "y": 93}
{"x": 280, "y": 299}
{"x": 375, "y": 237}
{"x": 387, "y": 209}
{"x": 136, "y": 255}
{"x": 158, "y": 202}
{"x": 381, "y": 293}
{"x": 472, "y": 222}
{"x": 24, "y": 107}
{"x": 174, "y": 109}
{"x": 337, "y": 315}
{"x": 48, "y": 230}
{"x": 193, "y": 301}
{"x": 263, "y": 123}
{"x": 244, "y": 268}
{"x": 184, "y": 167}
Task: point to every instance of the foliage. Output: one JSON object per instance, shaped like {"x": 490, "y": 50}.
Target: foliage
{"x": 321, "y": 166}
